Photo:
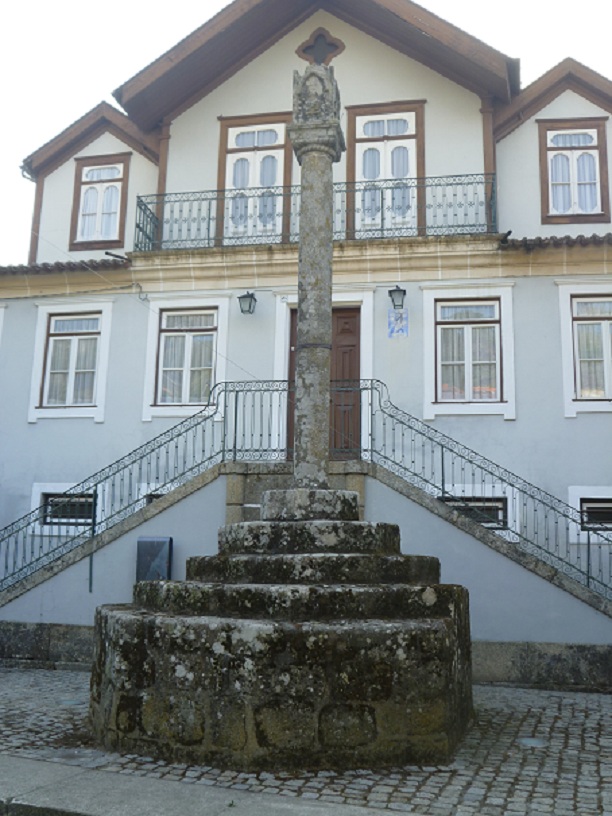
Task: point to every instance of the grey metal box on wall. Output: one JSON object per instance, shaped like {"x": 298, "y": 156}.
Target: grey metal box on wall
{"x": 154, "y": 559}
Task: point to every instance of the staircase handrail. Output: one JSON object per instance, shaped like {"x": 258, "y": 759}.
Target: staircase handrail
{"x": 437, "y": 484}
{"x": 252, "y": 427}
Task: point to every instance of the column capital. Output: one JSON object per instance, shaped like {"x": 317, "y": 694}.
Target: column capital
{"x": 316, "y": 113}
{"x": 327, "y": 139}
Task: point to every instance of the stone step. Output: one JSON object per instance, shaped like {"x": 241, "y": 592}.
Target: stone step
{"x": 267, "y": 537}
{"x": 253, "y": 694}
{"x": 315, "y": 568}
{"x": 303, "y": 504}
{"x": 301, "y": 602}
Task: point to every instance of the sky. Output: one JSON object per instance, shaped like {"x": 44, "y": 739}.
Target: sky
{"x": 60, "y": 58}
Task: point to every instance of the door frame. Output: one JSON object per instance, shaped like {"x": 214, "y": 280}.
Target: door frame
{"x": 287, "y": 300}
{"x": 364, "y": 300}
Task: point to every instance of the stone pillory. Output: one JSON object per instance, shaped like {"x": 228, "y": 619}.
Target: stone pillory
{"x": 310, "y": 641}
{"x": 318, "y": 141}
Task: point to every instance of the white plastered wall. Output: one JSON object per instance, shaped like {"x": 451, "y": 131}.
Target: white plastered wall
{"x": 507, "y": 602}
{"x": 56, "y": 213}
{"x": 367, "y": 72}
{"x": 518, "y": 171}
{"x": 193, "y": 524}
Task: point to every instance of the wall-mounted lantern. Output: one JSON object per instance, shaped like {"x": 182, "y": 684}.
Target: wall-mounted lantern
{"x": 397, "y": 295}
{"x": 247, "y": 303}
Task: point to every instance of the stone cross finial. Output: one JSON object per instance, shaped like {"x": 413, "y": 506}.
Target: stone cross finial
{"x": 321, "y": 48}
{"x": 318, "y": 141}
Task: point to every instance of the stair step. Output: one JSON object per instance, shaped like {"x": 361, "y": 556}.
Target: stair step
{"x": 301, "y": 602}
{"x": 267, "y": 537}
{"x": 315, "y": 568}
{"x": 303, "y": 504}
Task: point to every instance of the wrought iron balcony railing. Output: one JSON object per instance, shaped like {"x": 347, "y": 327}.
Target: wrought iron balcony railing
{"x": 248, "y": 421}
{"x": 445, "y": 205}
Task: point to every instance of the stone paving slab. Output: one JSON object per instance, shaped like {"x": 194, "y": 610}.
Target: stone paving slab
{"x": 529, "y": 753}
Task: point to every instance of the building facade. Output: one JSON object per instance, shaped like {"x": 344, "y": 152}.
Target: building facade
{"x": 483, "y": 205}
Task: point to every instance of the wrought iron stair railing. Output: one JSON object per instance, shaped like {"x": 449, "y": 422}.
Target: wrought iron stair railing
{"x": 242, "y": 421}
{"x": 247, "y": 421}
{"x": 527, "y": 517}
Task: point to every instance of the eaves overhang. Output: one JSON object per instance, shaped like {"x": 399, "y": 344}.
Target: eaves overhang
{"x": 104, "y": 118}
{"x": 246, "y": 28}
{"x": 554, "y": 242}
{"x": 568, "y": 75}
{"x": 63, "y": 267}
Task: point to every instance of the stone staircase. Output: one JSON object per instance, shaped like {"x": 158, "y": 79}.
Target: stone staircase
{"x": 309, "y": 642}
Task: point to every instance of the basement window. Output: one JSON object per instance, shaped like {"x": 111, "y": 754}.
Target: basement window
{"x": 72, "y": 510}
{"x": 488, "y": 511}
{"x": 596, "y": 514}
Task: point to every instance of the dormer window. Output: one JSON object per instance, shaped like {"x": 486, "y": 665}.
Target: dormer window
{"x": 574, "y": 171}
{"x": 98, "y": 217}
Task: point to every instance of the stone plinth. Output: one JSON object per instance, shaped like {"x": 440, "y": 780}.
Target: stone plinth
{"x": 306, "y": 643}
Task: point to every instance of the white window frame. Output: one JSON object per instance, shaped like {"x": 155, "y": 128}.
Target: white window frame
{"x": 39, "y": 489}
{"x": 166, "y": 332}
{"x": 179, "y": 303}
{"x": 575, "y": 494}
{"x": 467, "y": 327}
{"x": 37, "y": 411}
{"x": 568, "y": 291}
{"x": 491, "y": 491}
{"x": 469, "y": 292}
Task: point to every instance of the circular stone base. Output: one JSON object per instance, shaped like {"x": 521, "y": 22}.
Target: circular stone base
{"x": 255, "y": 695}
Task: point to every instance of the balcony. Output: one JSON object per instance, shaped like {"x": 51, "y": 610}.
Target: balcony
{"x": 443, "y": 205}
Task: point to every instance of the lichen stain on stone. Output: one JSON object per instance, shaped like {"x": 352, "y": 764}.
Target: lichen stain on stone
{"x": 330, "y": 673}
{"x": 173, "y": 721}
{"x": 286, "y": 727}
{"x": 182, "y": 673}
{"x": 343, "y": 725}
{"x": 128, "y": 714}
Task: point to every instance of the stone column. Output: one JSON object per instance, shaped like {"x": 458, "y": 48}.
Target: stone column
{"x": 318, "y": 142}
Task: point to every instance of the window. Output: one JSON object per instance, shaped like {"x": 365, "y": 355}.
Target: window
{"x": 468, "y": 351}
{"x": 98, "y": 217}
{"x": 488, "y": 511}
{"x": 71, "y": 350}
{"x": 72, "y": 510}
{"x": 586, "y": 347}
{"x": 71, "y": 360}
{"x": 385, "y": 156}
{"x": 574, "y": 171}
{"x": 255, "y": 166}
{"x": 186, "y": 353}
{"x": 592, "y": 323}
{"x": 596, "y": 514}
{"x": 186, "y": 357}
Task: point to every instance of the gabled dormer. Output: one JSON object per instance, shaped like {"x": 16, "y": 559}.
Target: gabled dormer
{"x": 553, "y": 151}
{"x": 87, "y": 179}
{"x": 202, "y": 159}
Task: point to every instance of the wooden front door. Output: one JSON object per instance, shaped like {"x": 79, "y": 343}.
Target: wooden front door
{"x": 345, "y": 435}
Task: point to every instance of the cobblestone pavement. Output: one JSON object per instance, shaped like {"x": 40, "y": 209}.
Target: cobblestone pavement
{"x": 529, "y": 753}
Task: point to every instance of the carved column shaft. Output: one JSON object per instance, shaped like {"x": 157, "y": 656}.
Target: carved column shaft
{"x": 318, "y": 142}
